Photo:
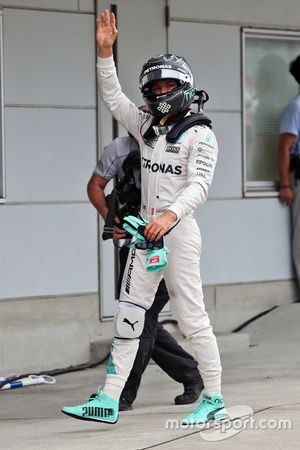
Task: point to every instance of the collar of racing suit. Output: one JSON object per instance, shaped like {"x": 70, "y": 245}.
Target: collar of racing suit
{"x": 163, "y": 125}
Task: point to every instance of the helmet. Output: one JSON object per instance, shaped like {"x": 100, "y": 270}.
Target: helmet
{"x": 162, "y": 67}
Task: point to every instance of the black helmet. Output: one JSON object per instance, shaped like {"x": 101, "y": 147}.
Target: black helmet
{"x": 162, "y": 67}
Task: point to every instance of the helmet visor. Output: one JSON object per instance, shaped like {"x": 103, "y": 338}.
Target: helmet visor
{"x": 155, "y": 74}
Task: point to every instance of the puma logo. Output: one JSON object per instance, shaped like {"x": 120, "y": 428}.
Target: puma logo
{"x": 92, "y": 411}
{"x": 129, "y": 323}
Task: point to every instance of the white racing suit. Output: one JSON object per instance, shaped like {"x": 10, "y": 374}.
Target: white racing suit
{"x": 175, "y": 177}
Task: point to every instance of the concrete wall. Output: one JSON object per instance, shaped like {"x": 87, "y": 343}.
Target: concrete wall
{"x": 48, "y": 235}
{"x": 272, "y": 13}
{"x": 44, "y": 333}
{"x": 57, "y": 5}
{"x": 244, "y": 239}
{"x": 49, "y": 265}
{"x": 48, "y": 229}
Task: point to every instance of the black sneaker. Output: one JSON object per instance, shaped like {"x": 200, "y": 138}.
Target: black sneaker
{"x": 190, "y": 394}
{"x": 124, "y": 405}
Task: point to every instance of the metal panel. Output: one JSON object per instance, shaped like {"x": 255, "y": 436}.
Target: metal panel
{"x": 245, "y": 241}
{"x": 43, "y": 4}
{"x": 87, "y": 5}
{"x": 2, "y": 131}
{"x": 268, "y": 12}
{"x": 227, "y": 182}
{"x": 53, "y": 62}
{"x": 50, "y": 153}
{"x": 136, "y": 46}
{"x": 47, "y": 250}
{"x": 213, "y": 52}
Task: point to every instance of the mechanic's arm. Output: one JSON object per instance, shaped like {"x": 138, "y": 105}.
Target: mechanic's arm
{"x": 286, "y": 141}
{"x": 95, "y": 190}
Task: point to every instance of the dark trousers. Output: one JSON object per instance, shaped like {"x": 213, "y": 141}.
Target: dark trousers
{"x": 156, "y": 342}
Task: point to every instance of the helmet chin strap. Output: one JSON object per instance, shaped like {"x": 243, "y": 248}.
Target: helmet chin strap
{"x": 163, "y": 126}
{"x": 164, "y": 119}
{"x": 159, "y": 126}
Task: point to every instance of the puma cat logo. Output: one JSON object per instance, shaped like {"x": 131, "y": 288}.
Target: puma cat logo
{"x": 129, "y": 323}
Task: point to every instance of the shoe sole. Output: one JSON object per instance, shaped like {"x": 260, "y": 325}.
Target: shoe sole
{"x": 90, "y": 419}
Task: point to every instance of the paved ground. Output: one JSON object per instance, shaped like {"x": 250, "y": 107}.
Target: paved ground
{"x": 264, "y": 377}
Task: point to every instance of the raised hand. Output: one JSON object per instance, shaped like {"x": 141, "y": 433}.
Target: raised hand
{"x": 106, "y": 33}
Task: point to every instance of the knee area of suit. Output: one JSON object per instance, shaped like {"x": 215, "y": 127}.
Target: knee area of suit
{"x": 191, "y": 332}
{"x": 129, "y": 320}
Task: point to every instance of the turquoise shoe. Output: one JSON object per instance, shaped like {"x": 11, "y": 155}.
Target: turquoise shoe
{"x": 101, "y": 408}
{"x": 212, "y": 407}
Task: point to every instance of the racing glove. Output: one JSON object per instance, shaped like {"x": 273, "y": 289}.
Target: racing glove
{"x": 156, "y": 258}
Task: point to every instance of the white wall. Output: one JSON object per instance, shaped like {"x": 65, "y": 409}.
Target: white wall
{"x": 244, "y": 240}
{"x": 47, "y": 250}
{"x": 275, "y": 13}
{"x": 63, "y": 5}
{"x": 48, "y": 229}
{"x": 49, "y": 153}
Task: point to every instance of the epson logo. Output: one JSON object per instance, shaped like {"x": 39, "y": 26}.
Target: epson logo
{"x": 204, "y": 163}
{"x": 207, "y": 145}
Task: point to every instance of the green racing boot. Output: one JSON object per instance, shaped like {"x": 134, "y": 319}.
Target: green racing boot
{"x": 211, "y": 407}
{"x": 101, "y": 408}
